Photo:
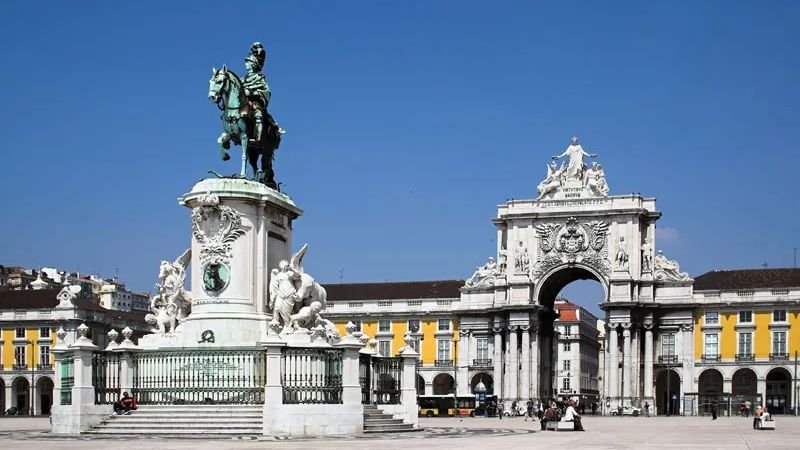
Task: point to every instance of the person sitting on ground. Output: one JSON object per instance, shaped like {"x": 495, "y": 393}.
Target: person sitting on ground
{"x": 125, "y": 404}
{"x": 765, "y": 416}
{"x": 570, "y": 415}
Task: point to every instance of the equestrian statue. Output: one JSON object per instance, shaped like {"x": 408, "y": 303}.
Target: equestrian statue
{"x": 245, "y": 119}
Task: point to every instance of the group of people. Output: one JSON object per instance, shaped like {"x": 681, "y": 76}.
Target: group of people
{"x": 555, "y": 412}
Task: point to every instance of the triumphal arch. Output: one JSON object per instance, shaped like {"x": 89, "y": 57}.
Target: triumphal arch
{"x": 576, "y": 230}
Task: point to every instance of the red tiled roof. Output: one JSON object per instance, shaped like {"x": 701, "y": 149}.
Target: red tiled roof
{"x": 748, "y": 279}
{"x": 395, "y": 290}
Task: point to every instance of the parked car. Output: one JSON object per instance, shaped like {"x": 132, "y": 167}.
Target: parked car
{"x": 627, "y": 411}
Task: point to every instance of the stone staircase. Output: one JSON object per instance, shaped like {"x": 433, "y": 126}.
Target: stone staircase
{"x": 376, "y": 421}
{"x": 185, "y": 421}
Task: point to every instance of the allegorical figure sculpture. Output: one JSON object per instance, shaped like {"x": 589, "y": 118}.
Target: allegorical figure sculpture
{"x": 575, "y": 166}
{"x": 667, "y": 270}
{"x": 596, "y": 180}
{"x": 484, "y": 275}
{"x": 521, "y": 259}
{"x": 172, "y": 303}
{"x": 621, "y": 259}
{"x": 647, "y": 256}
{"x": 245, "y": 119}
{"x": 553, "y": 180}
{"x": 296, "y": 299}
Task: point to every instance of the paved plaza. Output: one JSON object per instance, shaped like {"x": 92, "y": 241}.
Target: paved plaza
{"x": 601, "y": 433}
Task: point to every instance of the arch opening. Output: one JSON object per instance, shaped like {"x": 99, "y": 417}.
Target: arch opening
{"x": 44, "y": 392}
{"x": 710, "y": 390}
{"x": 779, "y": 394}
{"x": 20, "y": 395}
{"x": 487, "y": 380}
{"x": 744, "y": 385}
{"x": 444, "y": 384}
{"x": 569, "y": 296}
{"x": 420, "y": 385}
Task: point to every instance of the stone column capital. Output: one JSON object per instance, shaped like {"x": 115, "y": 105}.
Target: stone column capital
{"x": 525, "y": 327}
{"x": 497, "y": 330}
{"x": 687, "y": 326}
{"x": 648, "y": 325}
{"x": 464, "y": 333}
{"x": 626, "y": 325}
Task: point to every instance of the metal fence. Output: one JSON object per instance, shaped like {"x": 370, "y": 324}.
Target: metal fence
{"x": 196, "y": 377}
{"x": 105, "y": 377}
{"x": 365, "y": 378}
{"x": 311, "y": 376}
{"x": 386, "y": 376}
{"x": 67, "y": 378}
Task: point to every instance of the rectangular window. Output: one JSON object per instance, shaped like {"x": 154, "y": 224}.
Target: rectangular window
{"x": 44, "y": 332}
{"x": 712, "y": 318}
{"x": 444, "y": 325}
{"x": 413, "y": 326}
{"x": 779, "y": 342}
{"x": 44, "y": 355}
{"x": 566, "y": 346}
{"x": 385, "y": 326}
{"x": 745, "y": 344}
{"x": 19, "y": 356}
{"x": 443, "y": 353}
{"x": 745, "y": 316}
{"x": 668, "y": 344}
{"x": 20, "y": 333}
{"x": 483, "y": 348}
{"x": 565, "y": 384}
{"x": 567, "y": 364}
{"x": 385, "y": 348}
{"x": 712, "y": 345}
{"x": 779, "y": 315}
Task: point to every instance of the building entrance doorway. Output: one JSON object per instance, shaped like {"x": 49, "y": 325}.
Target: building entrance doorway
{"x": 668, "y": 392}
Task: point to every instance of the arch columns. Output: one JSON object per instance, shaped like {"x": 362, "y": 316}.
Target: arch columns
{"x": 648, "y": 362}
{"x": 497, "y": 362}
{"x": 513, "y": 363}
{"x": 627, "y": 355}
{"x": 525, "y": 361}
{"x": 613, "y": 364}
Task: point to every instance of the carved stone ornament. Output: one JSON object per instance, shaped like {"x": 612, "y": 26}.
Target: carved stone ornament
{"x": 66, "y": 297}
{"x": 572, "y": 242}
{"x": 668, "y": 270}
{"x": 215, "y": 227}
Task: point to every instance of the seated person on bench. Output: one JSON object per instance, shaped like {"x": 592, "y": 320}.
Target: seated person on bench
{"x": 572, "y": 416}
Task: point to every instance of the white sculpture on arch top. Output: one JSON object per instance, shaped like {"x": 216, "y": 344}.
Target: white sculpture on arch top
{"x": 484, "y": 275}
{"x": 573, "y": 178}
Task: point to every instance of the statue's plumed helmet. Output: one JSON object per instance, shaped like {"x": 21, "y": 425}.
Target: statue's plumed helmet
{"x": 257, "y": 55}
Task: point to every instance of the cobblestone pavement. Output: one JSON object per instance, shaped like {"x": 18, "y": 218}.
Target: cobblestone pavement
{"x": 684, "y": 433}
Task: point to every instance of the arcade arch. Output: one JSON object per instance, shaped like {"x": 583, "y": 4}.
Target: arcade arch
{"x": 487, "y": 379}
{"x": 20, "y": 394}
{"x": 444, "y": 384}
{"x": 44, "y": 395}
{"x": 709, "y": 388}
{"x": 779, "y": 394}
{"x": 420, "y": 385}
{"x": 744, "y": 386}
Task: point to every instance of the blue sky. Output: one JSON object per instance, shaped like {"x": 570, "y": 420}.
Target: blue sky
{"x": 408, "y": 122}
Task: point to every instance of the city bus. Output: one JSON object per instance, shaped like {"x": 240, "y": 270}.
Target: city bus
{"x": 446, "y": 406}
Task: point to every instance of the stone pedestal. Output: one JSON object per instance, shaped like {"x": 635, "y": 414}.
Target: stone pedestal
{"x": 241, "y": 230}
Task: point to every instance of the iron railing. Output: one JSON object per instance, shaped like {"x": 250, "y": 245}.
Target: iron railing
{"x": 46, "y": 366}
{"x": 710, "y": 358}
{"x": 482, "y": 363}
{"x": 199, "y": 376}
{"x": 745, "y": 357}
{"x": 668, "y": 359}
{"x": 20, "y": 366}
{"x": 105, "y": 377}
{"x": 310, "y": 375}
{"x": 365, "y": 378}
{"x": 778, "y": 356}
{"x": 67, "y": 369}
{"x": 443, "y": 363}
{"x": 386, "y": 376}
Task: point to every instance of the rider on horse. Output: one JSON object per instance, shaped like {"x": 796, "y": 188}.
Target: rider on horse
{"x": 256, "y": 88}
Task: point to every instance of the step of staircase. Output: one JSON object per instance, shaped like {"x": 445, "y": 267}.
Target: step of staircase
{"x": 184, "y": 421}
{"x": 376, "y": 421}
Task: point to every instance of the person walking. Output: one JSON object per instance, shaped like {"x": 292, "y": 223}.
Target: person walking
{"x": 713, "y": 410}
{"x": 646, "y": 409}
{"x": 500, "y": 408}
{"x": 529, "y": 410}
{"x": 747, "y": 406}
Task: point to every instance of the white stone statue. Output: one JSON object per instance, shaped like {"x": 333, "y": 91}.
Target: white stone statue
{"x": 294, "y": 297}
{"x": 521, "y": 259}
{"x": 668, "y": 270}
{"x": 647, "y": 256}
{"x": 621, "y": 260}
{"x": 553, "y": 181}
{"x": 66, "y": 297}
{"x": 575, "y": 166}
{"x": 596, "y": 180}
{"x": 484, "y": 275}
{"x": 172, "y": 303}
